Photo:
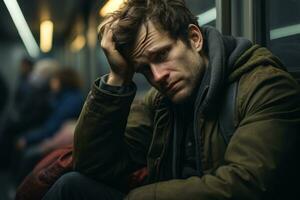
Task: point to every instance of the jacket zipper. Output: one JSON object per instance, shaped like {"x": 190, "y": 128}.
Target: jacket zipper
{"x": 159, "y": 159}
{"x": 174, "y": 147}
{"x": 197, "y": 135}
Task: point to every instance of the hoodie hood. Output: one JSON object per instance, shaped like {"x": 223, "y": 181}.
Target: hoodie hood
{"x": 229, "y": 58}
{"x": 250, "y": 59}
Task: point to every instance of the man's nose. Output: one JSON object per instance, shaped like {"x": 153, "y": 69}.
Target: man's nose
{"x": 159, "y": 72}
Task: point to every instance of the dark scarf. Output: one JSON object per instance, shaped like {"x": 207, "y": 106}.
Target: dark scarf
{"x": 222, "y": 52}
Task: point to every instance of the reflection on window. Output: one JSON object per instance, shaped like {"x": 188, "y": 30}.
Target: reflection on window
{"x": 205, "y": 11}
{"x": 207, "y": 17}
{"x": 284, "y": 33}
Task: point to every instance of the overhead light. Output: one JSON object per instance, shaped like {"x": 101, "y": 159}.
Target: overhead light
{"x": 46, "y": 35}
{"x": 111, "y": 6}
{"x": 284, "y": 31}
{"x": 207, "y": 17}
{"x": 22, "y": 27}
{"x": 78, "y": 43}
{"x": 92, "y": 37}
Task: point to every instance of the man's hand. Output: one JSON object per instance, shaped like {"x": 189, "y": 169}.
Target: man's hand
{"x": 120, "y": 72}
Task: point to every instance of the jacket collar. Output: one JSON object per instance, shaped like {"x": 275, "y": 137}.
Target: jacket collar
{"x": 222, "y": 53}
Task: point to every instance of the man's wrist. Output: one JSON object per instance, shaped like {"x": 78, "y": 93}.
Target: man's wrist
{"x": 115, "y": 89}
{"x": 115, "y": 80}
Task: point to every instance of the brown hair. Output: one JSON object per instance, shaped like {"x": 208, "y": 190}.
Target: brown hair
{"x": 68, "y": 78}
{"x": 171, "y": 16}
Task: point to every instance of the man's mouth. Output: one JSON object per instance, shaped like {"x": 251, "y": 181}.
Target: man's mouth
{"x": 171, "y": 87}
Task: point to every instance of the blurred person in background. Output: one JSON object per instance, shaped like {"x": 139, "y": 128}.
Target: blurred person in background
{"x": 23, "y": 88}
{"x": 40, "y": 92}
{"x": 32, "y": 104}
{"x": 63, "y": 137}
{"x": 67, "y": 100}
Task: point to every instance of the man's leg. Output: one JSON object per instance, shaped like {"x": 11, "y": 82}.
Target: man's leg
{"x": 74, "y": 185}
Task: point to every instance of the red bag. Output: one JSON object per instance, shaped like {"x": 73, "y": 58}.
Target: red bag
{"x": 53, "y": 166}
{"x": 44, "y": 175}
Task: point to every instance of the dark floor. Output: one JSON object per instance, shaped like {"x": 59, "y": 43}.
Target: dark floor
{"x": 7, "y": 189}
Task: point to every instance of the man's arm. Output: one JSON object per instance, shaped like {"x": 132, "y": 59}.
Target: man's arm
{"x": 259, "y": 148}
{"x": 102, "y": 149}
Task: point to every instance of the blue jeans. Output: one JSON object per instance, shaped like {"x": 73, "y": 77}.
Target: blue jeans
{"x": 76, "y": 186}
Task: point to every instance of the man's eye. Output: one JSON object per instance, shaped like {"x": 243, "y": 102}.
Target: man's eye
{"x": 161, "y": 56}
{"x": 143, "y": 68}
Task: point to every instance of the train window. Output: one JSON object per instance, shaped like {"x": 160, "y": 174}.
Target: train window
{"x": 283, "y": 19}
{"x": 205, "y": 10}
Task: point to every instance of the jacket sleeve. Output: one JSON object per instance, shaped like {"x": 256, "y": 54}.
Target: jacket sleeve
{"x": 102, "y": 149}
{"x": 264, "y": 140}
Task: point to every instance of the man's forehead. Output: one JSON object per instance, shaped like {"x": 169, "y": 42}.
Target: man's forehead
{"x": 147, "y": 37}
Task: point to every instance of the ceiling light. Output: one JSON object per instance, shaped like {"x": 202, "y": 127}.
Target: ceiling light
{"x": 78, "y": 43}
{"x": 207, "y": 16}
{"x": 284, "y": 31}
{"x": 111, "y": 6}
{"x": 46, "y": 35}
{"x": 22, "y": 27}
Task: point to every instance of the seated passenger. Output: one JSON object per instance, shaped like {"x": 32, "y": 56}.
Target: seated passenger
{"x": 32, "y": 107}
{"x": 62, "y": 138}
{"x": 179, "y": 135}
{"x": 67, "y": 103}
{"x": 24, "y": 86}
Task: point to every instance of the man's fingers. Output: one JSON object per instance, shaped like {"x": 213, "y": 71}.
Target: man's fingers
{"x": 107, "y": 27}
{"x": 107, "y": 42}
{"x": 103, "y": 25}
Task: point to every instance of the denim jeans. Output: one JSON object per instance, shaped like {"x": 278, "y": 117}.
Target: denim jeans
{"x": 76, "y": 186}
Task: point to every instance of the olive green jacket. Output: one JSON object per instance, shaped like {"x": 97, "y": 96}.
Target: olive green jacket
{"x": 108, "y": 147}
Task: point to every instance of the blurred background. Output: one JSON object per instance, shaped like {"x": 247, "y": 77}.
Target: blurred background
{"x": 50, "y": 56}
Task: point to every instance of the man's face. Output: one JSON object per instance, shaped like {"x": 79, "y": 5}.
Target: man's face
{"x": 169, "y": 65}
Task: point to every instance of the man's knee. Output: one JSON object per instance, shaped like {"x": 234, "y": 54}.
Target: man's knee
{"x": 74, "y": 185}
{"x": 66, "y": 187}
{"x": 70, "y": 180}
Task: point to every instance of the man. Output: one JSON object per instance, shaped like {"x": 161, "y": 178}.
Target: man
{"x": 175, "y": 131}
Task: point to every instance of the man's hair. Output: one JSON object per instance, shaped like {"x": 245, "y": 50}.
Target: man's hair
{"x": 171, "y": 16}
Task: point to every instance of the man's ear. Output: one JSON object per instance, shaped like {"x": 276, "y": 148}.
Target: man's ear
{"x": 195, "y": 37}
